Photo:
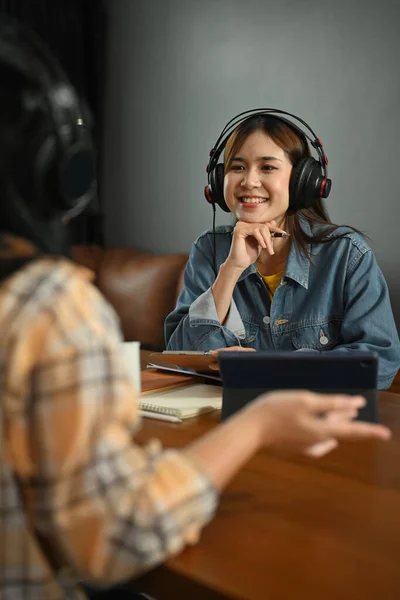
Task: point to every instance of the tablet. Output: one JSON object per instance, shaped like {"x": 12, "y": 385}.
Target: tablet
{"x": 246, "y": 375}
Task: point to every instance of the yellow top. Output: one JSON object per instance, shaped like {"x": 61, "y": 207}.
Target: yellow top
{"x": 272, "y": 282}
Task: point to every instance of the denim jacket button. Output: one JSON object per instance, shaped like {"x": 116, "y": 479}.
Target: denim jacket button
{"x": 323, "y": 340}
{"x": 266, "y": 320}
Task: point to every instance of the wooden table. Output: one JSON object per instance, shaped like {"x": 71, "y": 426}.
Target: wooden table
{"x": 291, "y": 528}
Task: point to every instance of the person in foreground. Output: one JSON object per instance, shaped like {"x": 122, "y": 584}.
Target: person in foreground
{"x": 317, "y": 287}
{"x": 82, "y": 506}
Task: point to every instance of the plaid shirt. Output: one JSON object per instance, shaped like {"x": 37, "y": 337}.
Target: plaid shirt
{"x": 79, "y": 500}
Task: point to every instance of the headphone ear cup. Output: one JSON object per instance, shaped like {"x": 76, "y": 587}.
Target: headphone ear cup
{"x": 307, "y": 184}
{"x": 61, "y": 173}
{"x": 216, "y": 187}
{"x": 34, "y": 181}
{"x": 76, "y": 177}
{"x": 65, "y": 175}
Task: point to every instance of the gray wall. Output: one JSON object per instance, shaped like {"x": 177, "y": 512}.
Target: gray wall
{"x": 179, "y": 69}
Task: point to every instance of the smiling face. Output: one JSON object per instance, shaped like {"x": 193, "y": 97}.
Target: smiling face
{"x": 256, "y": 182}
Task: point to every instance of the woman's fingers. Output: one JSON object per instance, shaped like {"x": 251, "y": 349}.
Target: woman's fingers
{"x": 261, "y": 232}
{"x": 266, "y": 231}
{"x": 321, "y": 448}
{"x": 267, "y": 240}
{"x": 340, "y": 415}
{"x": 232, "y": 349}
{"x": 215, "y": 366}
{"x": 339, "y": 410}
{"x": 358, "y": 430}
{"x": 324, "y": 403}
{"x": 260, "y": 238}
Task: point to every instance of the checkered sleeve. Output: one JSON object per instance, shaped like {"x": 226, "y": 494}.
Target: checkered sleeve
{"x": 109, "y": 507}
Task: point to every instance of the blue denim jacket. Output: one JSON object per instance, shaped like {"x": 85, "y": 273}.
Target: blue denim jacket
{"x": 338, "y": 301}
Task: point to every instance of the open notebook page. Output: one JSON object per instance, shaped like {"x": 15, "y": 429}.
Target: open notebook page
{"x": 184, "y": 402}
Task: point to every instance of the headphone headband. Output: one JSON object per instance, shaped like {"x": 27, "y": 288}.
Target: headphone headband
{"x": 229, "y": 128}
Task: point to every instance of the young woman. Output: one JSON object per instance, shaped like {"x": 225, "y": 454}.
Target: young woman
{"x": 81, "y": 501}
{"x": 318, "y": 287}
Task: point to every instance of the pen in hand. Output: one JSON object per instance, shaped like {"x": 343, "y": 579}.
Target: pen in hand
{"x": 279, "y": 235}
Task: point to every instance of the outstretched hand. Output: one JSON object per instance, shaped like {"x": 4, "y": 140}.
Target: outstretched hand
{"x": 313, "y": 424}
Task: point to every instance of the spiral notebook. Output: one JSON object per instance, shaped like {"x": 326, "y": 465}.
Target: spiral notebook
{"x": 183, "y": 403}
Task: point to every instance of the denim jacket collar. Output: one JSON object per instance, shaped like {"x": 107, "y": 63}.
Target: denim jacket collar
{"x": 297, "y": 265}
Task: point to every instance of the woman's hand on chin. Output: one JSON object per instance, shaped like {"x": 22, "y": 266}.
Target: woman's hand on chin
{"x": 248, "y": 240}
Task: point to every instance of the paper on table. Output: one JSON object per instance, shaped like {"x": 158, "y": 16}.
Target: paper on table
{"x": 160, "y": 417}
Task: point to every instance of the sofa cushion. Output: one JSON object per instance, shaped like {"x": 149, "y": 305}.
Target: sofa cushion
{"x": 142, "y": 287}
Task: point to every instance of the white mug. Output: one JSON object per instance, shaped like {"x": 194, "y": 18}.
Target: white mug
{"x": 131, "y": 352}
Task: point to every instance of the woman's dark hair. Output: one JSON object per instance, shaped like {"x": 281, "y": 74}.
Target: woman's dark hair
{"x": 295, "y": 147}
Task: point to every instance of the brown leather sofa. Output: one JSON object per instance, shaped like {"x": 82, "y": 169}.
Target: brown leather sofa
{"x": 142, "y": 287}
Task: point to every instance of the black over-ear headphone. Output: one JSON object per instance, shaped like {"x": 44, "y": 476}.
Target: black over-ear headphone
{"x": 56, "y": 168}
{"x": 309, "y": 178}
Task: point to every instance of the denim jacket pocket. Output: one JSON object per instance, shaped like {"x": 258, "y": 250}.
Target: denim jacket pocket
{"x": 251, "y": 333}
{"x": 324, "y": 335}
